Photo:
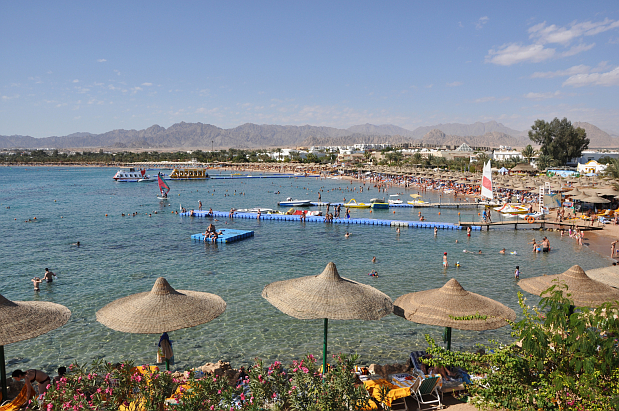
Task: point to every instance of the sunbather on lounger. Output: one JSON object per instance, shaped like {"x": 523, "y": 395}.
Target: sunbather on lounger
{"x": 437, "y": 369}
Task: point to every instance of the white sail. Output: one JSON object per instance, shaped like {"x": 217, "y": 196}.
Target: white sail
{"x": 486, "y": 182}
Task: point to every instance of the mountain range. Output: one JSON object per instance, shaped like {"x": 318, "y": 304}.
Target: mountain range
{"x": 252, "y": 136}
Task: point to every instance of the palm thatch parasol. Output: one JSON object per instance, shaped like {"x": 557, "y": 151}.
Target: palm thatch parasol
{"x": 607, "y": 275}
{"x": 327, "y": 296}
{"x": 451, "y": 306}
{"x": 581, "y": 289}
{"x": 595, "y": 199}
{"x": 161, "y": 310}
{"x": 22, "y": 320}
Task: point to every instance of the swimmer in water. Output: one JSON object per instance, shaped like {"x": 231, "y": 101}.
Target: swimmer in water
{"x": 36, "y": 281}
{"x": 445, "y": 263}
{"x": 374, "y": 259}
{"x": 517, "y": 272}
{"x": 502, "y": 251}
{"x": 457, "y": 263}
{"x": 347, "y": 234}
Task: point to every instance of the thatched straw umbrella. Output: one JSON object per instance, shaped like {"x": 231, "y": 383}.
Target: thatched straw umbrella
{"x": 607, "y": 275}
{"x": 451, "y": 306}
{"x": 327, "y": 296}
{"x": 581, "y": 289}
{"x": 161, "y": 310}
{"x": 595, "y": 199}
{"x": 22, "y": 320}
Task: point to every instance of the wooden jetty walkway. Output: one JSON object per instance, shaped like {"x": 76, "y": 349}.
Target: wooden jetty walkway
{"x": 536, "y": 224}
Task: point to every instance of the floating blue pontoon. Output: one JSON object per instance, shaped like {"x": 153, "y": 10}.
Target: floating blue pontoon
{"x": 228, "y": 235}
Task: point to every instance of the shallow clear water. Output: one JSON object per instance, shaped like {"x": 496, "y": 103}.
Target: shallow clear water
{"x": 119, "y": 256}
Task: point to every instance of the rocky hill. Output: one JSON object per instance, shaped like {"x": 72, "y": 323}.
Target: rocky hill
{"x": 204, "y": 136}
{"x": 490, "y": 139}
{"x": 598, "y": 138}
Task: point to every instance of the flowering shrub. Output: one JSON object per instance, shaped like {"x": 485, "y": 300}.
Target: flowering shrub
{"x": 567, "y": 359}
{"x": 104, "y": 386}
{"x": 101, "y": 387}
{"x": 301, "y": 387}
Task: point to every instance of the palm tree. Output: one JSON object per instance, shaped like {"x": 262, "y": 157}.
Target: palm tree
{"x": 543, "y": 162}
{"x": 612, "y": 169}
{"x": 528, "y": 153}
{"x": 417, "y": 157}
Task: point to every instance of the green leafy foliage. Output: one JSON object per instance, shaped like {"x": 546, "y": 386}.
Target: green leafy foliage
{"x": 565, "y": 359}
{"x": 559, "y": 139}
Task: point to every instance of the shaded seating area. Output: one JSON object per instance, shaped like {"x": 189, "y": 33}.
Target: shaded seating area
{"x": 423, "y": 389}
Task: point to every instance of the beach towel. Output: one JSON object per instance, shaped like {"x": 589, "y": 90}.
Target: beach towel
{"x": 18, "y": 402}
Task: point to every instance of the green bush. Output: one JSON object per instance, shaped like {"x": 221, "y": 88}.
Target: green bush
{"x": 565, "y": 359}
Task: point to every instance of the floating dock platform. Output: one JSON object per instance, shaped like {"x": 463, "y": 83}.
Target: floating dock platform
{"x": 321, "y": 219}
{"x": 406, "y": 205}
{"x": 238, "y": 176}
{"x": 228, "y": 235}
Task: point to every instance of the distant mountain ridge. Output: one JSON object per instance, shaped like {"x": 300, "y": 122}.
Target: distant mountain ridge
{"x": 252, "y": 136}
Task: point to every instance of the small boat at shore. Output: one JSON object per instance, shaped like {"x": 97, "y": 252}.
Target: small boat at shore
{"x": 256, "y": 209}
{"x": 294, "y": 203}
{"x": 395, "y": 199}
{"x": 513, "y": 209}
{"x": 352, "y": 203}
{"x": 379, "y": 203}
{"x": 416, "y": 200}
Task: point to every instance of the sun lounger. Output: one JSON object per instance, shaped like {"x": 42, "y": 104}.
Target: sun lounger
{"x": 394, "y": 395}
{"x": 17, "y": 402}
{"x": 427, "y": 393}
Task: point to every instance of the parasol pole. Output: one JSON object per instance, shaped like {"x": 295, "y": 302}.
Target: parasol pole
{"x": 447, "y": 337}
{"x": 3, "y": 373}
{"x": 324, "y": 349}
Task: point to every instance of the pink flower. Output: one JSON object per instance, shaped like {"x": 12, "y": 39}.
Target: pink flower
{"x": 212, "y": 407}
{"x": 242, "y": 397}
{"x": 218, "y": 391}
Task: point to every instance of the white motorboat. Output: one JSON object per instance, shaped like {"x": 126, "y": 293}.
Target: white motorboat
{"x": 132, "y": 175}
{"x": 395, "y": 199}
{"x": 294, "y": 203}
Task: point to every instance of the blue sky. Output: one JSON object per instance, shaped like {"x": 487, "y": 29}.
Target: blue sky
{"x": 78, "y": 66}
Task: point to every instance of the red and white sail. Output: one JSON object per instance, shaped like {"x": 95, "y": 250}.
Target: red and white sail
{"x": 163, "y": 187}
{"x": 486, "y": 182}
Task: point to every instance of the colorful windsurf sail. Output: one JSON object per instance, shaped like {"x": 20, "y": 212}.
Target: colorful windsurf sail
{"x": 163, "y": 187}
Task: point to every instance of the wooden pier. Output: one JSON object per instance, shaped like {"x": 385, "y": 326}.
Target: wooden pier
{"x": 536, "y": 224}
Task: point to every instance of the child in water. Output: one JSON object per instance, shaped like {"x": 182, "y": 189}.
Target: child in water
{"x": 373, "y": 273}
{"x": 36, "y": 281}
{"x": 517, "y": 272}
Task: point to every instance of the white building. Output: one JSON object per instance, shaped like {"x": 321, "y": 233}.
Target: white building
{"x": 505, "y": 155}
{"x": 591, "y": 167}
{"x": 589, "y": 155}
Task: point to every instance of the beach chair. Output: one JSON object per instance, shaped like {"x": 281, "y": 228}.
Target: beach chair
{"x": 426, "y": 392}
{"x": 18, "y": 402}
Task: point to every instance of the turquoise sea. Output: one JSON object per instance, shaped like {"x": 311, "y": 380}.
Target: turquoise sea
{"x": 119, "y": 256}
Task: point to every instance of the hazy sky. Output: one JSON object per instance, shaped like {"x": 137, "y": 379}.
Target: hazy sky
{"x": 89, "y": 66}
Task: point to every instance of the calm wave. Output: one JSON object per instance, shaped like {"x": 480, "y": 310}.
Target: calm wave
{"x": 119, "y": 256}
